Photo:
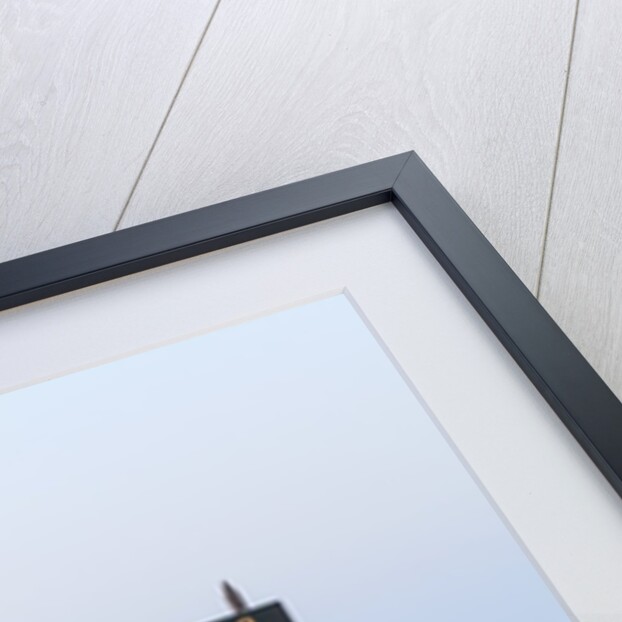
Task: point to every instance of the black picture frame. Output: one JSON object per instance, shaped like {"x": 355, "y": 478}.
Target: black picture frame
{"x": 572, "y": 388}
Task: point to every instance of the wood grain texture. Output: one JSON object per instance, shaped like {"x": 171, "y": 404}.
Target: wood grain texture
{"x": 282, "y": 91}
{"x": 582, "y": 275}
{"x": 84, "y": 87}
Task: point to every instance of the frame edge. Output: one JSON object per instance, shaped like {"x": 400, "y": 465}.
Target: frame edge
{"x": 569, "y": 384}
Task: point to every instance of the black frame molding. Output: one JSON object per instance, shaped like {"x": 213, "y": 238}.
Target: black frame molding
{"x": 578, "y": 395}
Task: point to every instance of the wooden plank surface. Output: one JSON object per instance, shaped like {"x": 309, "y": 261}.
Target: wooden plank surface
{"x": 582, "y": 275}
{"x": 282, "y": 91}
{"x": 84, "y": 87}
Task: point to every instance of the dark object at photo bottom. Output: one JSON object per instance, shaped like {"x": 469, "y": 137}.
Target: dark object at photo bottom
{"x": 268, "y": 613}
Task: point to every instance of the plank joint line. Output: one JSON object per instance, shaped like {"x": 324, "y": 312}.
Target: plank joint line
{"x": 166, "y": 115}
{"x": 547, "y": 218}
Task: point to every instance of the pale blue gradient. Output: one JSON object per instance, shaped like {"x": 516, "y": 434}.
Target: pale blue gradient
{"x": 285, "y": 454}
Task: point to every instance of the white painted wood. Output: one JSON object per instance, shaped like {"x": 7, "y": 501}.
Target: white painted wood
{"x": 282, "y": 91}
{"x": 551, "y": 493}
{"x": 582, "y": 276}
{"x": 84, "y": 87}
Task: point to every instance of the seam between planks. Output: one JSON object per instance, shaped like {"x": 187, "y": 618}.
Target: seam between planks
{"x": 562, "y": 115}
{"x": 210, "y": 19}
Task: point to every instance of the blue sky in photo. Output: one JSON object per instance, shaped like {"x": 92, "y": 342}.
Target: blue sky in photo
{"x": 285, "y": 454}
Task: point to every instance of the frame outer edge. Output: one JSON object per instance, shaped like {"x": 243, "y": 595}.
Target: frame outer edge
{"x": 185, "y": 235}
{"x": 573, "y": 389}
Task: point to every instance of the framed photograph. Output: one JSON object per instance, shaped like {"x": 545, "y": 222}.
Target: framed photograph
{"x": 329, "y": 401}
